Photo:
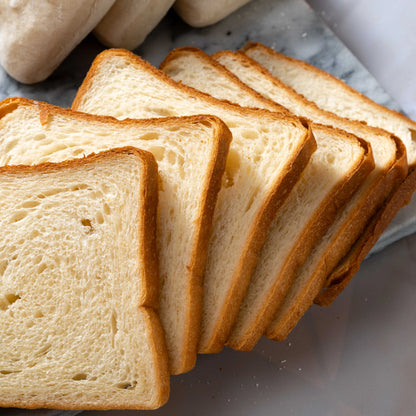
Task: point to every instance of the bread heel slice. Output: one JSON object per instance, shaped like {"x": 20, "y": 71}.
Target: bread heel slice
{"x": 79, "y": 278}
{"x": 266, "y": 157}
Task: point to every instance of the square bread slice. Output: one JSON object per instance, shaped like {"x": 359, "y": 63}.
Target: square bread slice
{"x": 267, "y": 155}
{"x": 191, "y": 153}
{"x": 339, "y": 165}
{"x": 331, "y": 94}
{"x": 78, "y": 327}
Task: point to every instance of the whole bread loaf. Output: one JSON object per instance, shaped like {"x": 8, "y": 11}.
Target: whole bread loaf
{"x": 35, "y": 37}
{"x": 199, "y": 13}
{"x": 128, "y": 22}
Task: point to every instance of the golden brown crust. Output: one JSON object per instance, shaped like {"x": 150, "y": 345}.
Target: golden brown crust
{"x": 355, "y": 127}
{"x": 258, "y": 233}
{"x": 341, "y": 84}
{"x": 218, "y": 67}
{"x": 8, "y": 105}
{"x": 149, "y": 200}
{"x": 398, "y": 197}
{"x": 138, "y": 62}
{"x": 375, "y": 195}
{"x": 326, "y": 264}
{"x": 199, "y": 253}
{"x": 317, "y": 225}
{"x": 160, "y": 361}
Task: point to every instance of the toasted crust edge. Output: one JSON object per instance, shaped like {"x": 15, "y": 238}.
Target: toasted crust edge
{"x": 140, "y": 63}
{"x": 172, "y": 55}
{"x": 197, "y": 264}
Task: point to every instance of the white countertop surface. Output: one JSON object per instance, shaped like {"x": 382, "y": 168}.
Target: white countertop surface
{"x": 382, "y": 35}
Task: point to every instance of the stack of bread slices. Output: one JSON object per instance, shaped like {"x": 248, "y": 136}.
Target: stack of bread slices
{"x": 176, "y": 211}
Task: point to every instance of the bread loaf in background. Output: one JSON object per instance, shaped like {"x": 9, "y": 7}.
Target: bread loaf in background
{"x": 128, "y": 22}
{"x": 36, "y": 36}
{"x": 200, "y": 13}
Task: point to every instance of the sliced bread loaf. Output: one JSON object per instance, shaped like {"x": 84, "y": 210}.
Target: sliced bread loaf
{"x": 331, "y": 94}
{"x": 338, "y": 167}
{"x": 78, "y": 327}
{"x": 191, "y": 154}
{"x": 267, "y": 155}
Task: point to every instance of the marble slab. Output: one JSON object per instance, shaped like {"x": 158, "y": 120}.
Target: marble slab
{"x": 355, "y": 358}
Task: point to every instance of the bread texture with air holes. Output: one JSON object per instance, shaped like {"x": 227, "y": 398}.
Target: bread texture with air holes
{"x": 318, "y": 86}
{"x": 267, "y": 154}
{"x": 356, "y": 231}
{"x": 191, "y": 154}
{"x": 79, "y": 283}
{"x": 339, "y": 165}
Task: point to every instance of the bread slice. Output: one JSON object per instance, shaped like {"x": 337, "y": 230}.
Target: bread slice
{"x": 339, "y": 166}
{"x": 191, "y": 153}
{"x": 267, "y": 155}
{"x": 331, "y": 94}
{"x": 128, "y": 22}
{"x": 78, "y": 327}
